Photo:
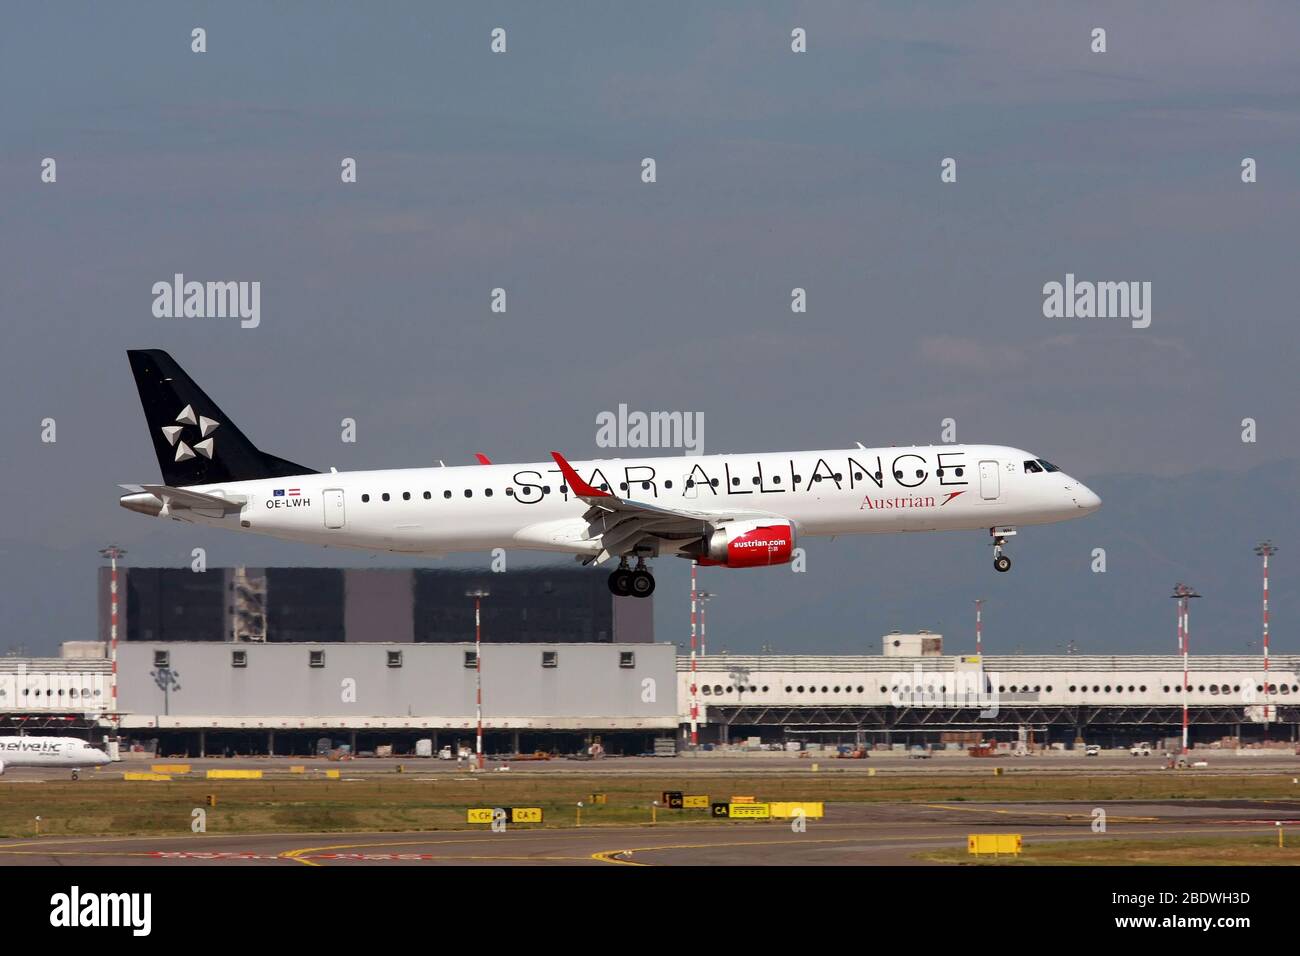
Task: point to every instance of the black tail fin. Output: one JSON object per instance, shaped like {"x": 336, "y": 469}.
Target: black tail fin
{"x": 195, "y": 442}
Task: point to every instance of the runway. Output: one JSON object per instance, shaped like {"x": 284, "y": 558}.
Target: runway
{"x": 854, "y": 834}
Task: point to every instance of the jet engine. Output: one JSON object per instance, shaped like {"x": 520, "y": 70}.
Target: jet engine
{"x": 749, "y": 544}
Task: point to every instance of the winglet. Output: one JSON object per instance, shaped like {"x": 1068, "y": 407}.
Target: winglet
{"x": 579, "y": 487}
{"x": 482, "y": 458}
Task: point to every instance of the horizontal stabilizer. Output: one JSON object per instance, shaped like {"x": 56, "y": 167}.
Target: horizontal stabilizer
{"x": 163, "y": 500}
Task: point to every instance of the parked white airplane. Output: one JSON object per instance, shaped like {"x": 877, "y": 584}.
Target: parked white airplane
{"x": 70, "y": 752}
{"x": 729, "y": 510}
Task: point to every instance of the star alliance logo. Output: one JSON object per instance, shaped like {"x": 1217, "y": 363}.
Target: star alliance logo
{"x": 206, "y": 427}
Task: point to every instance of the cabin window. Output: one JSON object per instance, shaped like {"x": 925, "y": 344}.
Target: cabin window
{"x": 365, "y": 498}
{"x": 510, "y": 492}
{"x": 487, "y": 492}
{"x": 427, "y": 495}
{"x": 394, "y": 658}
{"x": 447, "y": 494}
{"x": 469, "y": 493}
{"x": 316, "y": 658}
{"x": 162, "y": 659}
{"x": 406, "y": 496}
{"x": 958, "y": 473}
{"x": 239, "y": 658}
{"x": 550, "y": 658}
{"x": 627, "y": 659}
{"x": 384, "y": 496}
{"x": 667, "y": 484}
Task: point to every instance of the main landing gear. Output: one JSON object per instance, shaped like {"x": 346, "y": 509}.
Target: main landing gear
{"x": 624, "y": 582}
{"x": 1001, "y": 562}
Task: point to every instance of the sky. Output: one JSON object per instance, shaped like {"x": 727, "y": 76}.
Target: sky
{"x": 775, "y": 170}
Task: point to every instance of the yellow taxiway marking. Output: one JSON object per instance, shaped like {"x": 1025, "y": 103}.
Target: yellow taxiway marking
{"x": 609, "y": 856}
{"x": 1110, "y": 817}
{"x": 303, "y": 854}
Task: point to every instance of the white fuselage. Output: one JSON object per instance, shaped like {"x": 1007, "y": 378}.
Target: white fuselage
{"x": 69, "y": 752}
{"x": 481, "y": 507}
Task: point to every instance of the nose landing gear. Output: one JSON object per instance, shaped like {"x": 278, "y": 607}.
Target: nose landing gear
{"x": 624, "y": 582}
{"x": 75, "y": 775}
{"x": 1001, "y": 562}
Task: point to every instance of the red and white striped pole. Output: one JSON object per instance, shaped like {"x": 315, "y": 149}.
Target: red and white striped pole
{"x": 695, "y": 703}
{"x": 979, "y": 627}
{"x": 113, "y": 552}
{"x": 478, "y": 672}
{"x": 1183, "y": 594}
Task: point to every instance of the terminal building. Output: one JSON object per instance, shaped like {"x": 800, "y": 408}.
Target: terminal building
{"x": 279, "y": 661}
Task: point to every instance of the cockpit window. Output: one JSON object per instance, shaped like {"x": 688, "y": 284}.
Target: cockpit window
{"x": 1047, "y": 465}
{"x": 1031, "y": 467}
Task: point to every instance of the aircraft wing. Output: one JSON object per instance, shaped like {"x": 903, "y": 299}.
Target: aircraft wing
{"x": 621, "y": 523}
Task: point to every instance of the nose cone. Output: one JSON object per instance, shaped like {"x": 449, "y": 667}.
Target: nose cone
{"x": 1085, "y": 497}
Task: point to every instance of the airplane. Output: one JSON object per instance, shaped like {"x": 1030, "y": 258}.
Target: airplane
{"x": 71, "y": 752}
{"x": 732, "y": 511}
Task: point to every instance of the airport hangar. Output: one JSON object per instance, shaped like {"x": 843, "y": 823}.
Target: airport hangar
{"x": 274, "y": 660}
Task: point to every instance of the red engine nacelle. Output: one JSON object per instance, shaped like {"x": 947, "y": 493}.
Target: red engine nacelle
{"x": 750, "y": 544}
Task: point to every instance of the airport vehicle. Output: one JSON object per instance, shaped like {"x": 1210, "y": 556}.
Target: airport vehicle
{"x": 918, "y": 752}
{"x": 1140, "y": 750}
{"x": 1092, "y": 750}
{"x": 70, "y": 752}
{"x": 734, "y": 511}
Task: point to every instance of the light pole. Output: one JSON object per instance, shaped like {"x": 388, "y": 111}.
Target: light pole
{"x": 113, "y": 552}
{"x": 478, "y": 594}
{"x": 979, "y": 627}
{"x": 1183, "y": 594}
{"x": 1266, "y": 549}
{"x": 695, "y": 703}
{"x": 704, "y": 598}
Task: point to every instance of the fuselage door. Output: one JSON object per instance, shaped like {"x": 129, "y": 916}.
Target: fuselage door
{"x": 334, "y": 517}
{"x": 989, "y": 480}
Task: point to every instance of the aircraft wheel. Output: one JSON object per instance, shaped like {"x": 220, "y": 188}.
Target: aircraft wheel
{"x": 620, "y": 582}
{"x": 74, "y": 775}
{"x": 643, "y": 584}
{"x": 1002, "y": 563}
